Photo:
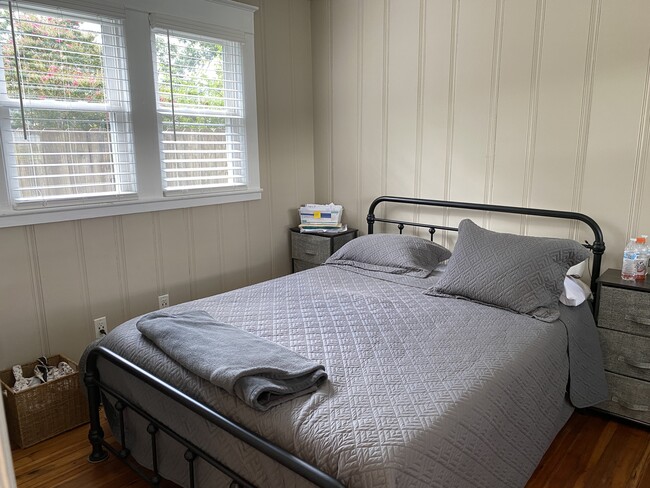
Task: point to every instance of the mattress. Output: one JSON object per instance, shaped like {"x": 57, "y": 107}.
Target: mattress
{"x": 422, "y": 392}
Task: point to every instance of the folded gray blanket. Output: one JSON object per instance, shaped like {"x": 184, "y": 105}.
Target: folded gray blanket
{"x": 258, "y": 371}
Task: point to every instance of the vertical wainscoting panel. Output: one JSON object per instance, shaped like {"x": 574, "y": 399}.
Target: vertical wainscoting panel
{"x": 580, "y": 231}
{"x": 258, "y": 237}
{"x": 302, "y": 99}
{"x": 141, "y": 256}
{"x": 61, "y": 277}
{"x": 564, "y": 52}
{"x": 345, "y": 103}
{"x": 439, "y": 49}
{"x": 495, "y": 87}
{"x": 278, "y": 66}
{"x": 103, "y": 273}
{"x": 517, "y": 107}
{"x": 207, "y": 240}
{"x": 174, "y": 258}
{"x": 435, "y": 42}
{"x": 618, "y": 126}
{"x": 19, "y": 299}
{"x": 473, "y": 74}
{"x": 321, "y": 25}
{"x": 641, "y": 216}
{"x": 402, "y": 104}
{"x": 260, "y": 213}
{"x": 472, "y": 109}
{"x": 371, "y": 105}
{"x": 235, "y": 246}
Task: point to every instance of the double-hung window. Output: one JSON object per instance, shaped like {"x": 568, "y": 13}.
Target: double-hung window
{"x": 200, "y": 106}
{"x": 111, "y": 107}
{"x": 65, "y": 112}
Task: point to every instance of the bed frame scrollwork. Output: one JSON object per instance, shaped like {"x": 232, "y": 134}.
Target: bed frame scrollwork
{"x": 597, "y": 247}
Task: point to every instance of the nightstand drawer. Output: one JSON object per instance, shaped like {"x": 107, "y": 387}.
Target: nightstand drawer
{"x": 624, "y": 310}
{"x": 310, "y": 248}
{"x": 628, "y": 397}
{"x": 300, "y": 265}
{"x": 626, "y": 354}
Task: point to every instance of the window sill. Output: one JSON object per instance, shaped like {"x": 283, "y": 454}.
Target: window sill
{"x": 15, "y": 218}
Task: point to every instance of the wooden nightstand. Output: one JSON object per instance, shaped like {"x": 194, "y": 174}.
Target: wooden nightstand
{"x": 309, "y": 250}
{"x": 623, "y": 309}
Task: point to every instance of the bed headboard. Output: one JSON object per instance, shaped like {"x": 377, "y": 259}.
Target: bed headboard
{"x": 597, "y": 247}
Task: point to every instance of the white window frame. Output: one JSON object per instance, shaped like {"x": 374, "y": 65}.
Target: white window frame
{"x": 223, "y": 19}
{"x": 115, "y": 105}
{"x": 227, "y": 113}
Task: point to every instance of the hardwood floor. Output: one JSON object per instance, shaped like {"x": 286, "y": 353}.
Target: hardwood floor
{"x": 596, "y": 451}
{"x": 62, "y": 462}
{"x": 591, "y": 451}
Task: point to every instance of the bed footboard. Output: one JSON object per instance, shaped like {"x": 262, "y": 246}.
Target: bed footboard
{"x": 155, "y": 428}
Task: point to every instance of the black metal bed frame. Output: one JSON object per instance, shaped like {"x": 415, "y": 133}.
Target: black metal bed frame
{"x": 95, "y": 386}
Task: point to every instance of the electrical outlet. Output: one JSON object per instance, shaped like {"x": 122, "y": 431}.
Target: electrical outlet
{"x": 163, "y": 301}
{"x": 100, "y": 327}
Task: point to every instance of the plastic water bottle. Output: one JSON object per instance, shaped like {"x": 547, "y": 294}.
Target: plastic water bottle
{"x": 629, "y": 261}
{"x": 641, "y": 264}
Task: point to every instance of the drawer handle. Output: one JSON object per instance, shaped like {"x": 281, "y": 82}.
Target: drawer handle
{"x": 631, "y": 406}
{"x": 310, "y": 253}
{"x": 637, "y": 320}
{"x": 634, "y": 364}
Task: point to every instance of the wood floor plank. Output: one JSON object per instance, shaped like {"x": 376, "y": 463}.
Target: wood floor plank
{"x": 621, "y": 458}
{"x": 552, "y": 462}
{"x": 643, "y": 472}
{"x": 598, "y": 451}
{"x": 590, "y": 451}
{"x": 576, "y": 450}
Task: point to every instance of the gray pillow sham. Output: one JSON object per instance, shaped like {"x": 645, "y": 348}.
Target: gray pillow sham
{"x": 520, "y": 273}
{"x": 391, "y": 253}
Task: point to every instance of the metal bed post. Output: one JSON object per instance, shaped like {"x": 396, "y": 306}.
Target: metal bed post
{"x": 96, "y": 433}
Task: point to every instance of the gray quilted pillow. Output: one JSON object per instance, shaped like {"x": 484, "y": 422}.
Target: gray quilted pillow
{"x": 520, "y": 273}
{"x": 391, "y": 253}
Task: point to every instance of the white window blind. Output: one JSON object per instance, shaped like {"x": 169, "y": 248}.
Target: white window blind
{"x": 65, "y": 111}
{"x": 200, "y": 104}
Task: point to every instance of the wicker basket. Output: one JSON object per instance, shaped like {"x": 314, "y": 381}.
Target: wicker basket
{"x": 41, "y": 412}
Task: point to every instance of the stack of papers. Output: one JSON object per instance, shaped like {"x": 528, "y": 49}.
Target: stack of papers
{"x": 321, "y": 218}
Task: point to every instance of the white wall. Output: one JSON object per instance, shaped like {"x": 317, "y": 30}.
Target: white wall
{"x": 55, "y": 278}
{"x": 525, "y": 102}
{"x": 540, "y": 103}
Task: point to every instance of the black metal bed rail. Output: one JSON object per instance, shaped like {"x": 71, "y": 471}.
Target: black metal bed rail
{"x": 99, "y": 446}
{"x": 597, "y": 247}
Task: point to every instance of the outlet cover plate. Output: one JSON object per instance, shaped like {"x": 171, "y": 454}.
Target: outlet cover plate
{"x": 100, "y": 327}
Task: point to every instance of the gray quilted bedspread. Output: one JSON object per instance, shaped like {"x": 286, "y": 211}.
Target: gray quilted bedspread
{"x": 422, "y": 392}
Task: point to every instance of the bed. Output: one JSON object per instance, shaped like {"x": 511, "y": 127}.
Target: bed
{"x": 433, "y": 380}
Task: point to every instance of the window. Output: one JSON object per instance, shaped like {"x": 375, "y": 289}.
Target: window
{"x": 109, "y": 110}
{"x": 64, "y": 107}
{"x": 200, "y": 108}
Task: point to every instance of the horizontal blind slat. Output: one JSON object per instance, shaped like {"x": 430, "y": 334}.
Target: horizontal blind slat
{"x": 200, "y": 170}
{"x": 71, "y": 175}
